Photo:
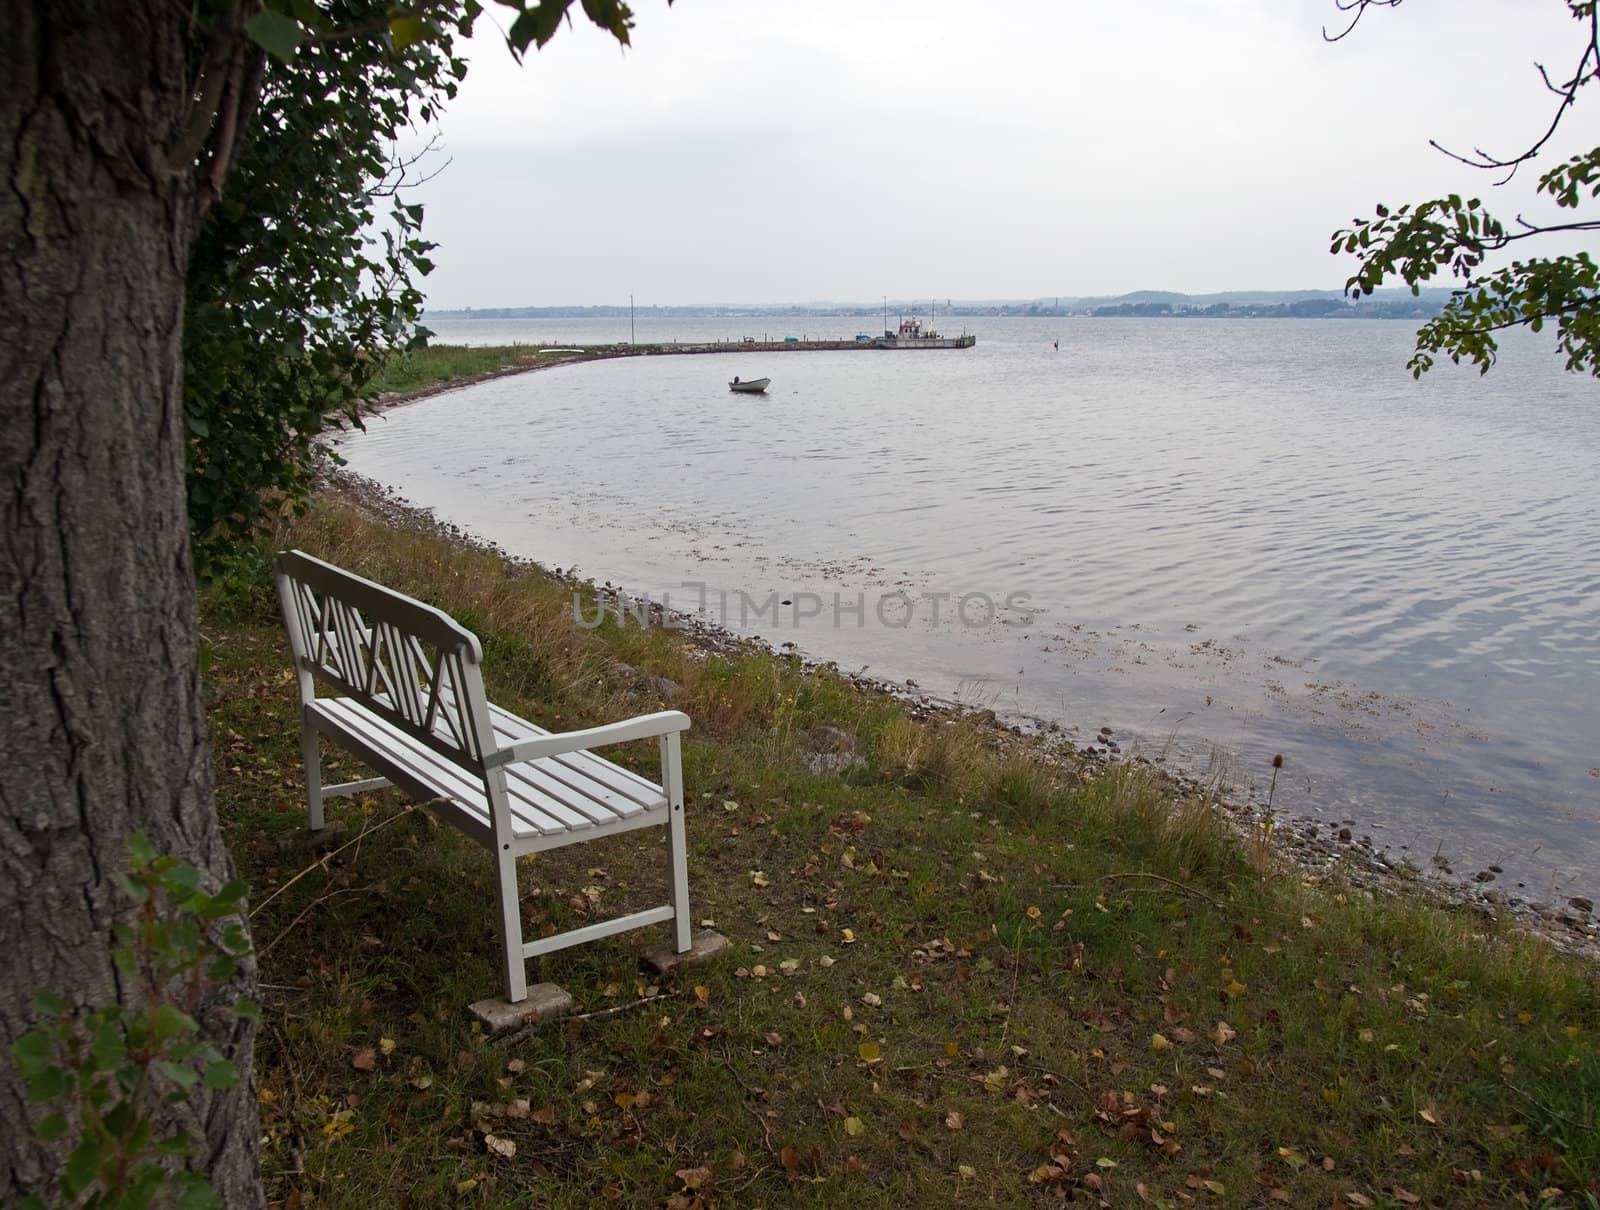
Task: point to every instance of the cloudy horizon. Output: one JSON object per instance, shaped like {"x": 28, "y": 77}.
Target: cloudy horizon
{"x": 736, "y": 155}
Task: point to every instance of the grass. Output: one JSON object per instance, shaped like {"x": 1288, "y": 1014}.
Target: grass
{"x": 963, "y": 972}
{"x": 436, "y": 364}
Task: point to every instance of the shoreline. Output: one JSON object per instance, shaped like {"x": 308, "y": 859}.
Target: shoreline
{"x": 1319, "y": 850}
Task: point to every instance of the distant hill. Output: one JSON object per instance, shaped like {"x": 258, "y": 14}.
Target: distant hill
{"x": 1386, "y": 303}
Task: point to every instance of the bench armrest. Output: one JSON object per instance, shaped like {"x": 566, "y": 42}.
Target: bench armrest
{"x": 663, "y": 722}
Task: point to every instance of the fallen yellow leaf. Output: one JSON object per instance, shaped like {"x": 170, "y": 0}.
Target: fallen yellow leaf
{"x": 693, "y": 1178}
{"x": 506, "y": 1148}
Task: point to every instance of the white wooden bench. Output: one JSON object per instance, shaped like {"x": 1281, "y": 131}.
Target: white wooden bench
{"x": 408, "y": 700}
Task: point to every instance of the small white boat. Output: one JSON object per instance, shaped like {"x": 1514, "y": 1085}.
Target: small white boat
{"x": 749, "y": 386}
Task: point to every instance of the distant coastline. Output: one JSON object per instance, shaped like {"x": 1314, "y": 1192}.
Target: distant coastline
{"x": 1141, "y": 304}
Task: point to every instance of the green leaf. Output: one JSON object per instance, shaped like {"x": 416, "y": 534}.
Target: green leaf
{"x": 194, "y": 1193}
{"x": 275, "y": 33}
{"x": 182, "y": 876}
{"x": 48, "y": 1004}
{"x": 537, "y": 25}
{"x": 81, "y": 1166}
{"x": 220, "y": 970}
{"x": 407, "y": 31}
{"x": 221, "y": 1074}
{"x": 52, "y": 1128}
{"x": 176, "y": 1143}
{"x": 47, "y": 1085}
{"x": 247, "y": 1009}
{"x": 108, "y": 1049}
{"x": 170, "y": 1022}
{"x": 184, "y": 1077}
{"x": 32, "y": 1052}
{"x": 140, "y": 851}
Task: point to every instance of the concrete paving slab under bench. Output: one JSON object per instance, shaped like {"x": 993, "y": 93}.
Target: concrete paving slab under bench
{"x": 545, "y": 1001}
{"x": 704, "y": 945}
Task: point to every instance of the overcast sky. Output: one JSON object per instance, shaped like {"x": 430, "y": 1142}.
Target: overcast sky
{"x": 788, "y": 151}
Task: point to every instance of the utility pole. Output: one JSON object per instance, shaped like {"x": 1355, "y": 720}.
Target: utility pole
{"x": 631, "y": 338}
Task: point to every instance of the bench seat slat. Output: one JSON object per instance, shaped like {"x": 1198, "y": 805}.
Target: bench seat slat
{"x": 421, "y": 763}
{"x": 531, "y": 778}
{"x": 598, "y": 790}
{"x": 617, "y": 790}
{"x": 602, "y": 791}
{"x": 510, "y": 728}
{"x": 547, "y": 797}
{"x": 444, "y": 776}
{"x": 524, "y": 785}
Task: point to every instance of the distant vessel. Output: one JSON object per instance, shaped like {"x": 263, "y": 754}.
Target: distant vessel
{"x": 749, "y": 386}
{"x": 911, "y": 336}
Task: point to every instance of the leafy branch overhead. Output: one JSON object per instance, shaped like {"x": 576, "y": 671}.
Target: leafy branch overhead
{"x": 280, "y": 27}
{"x": 304, "y": 278}
{"x": 1460, "y": 238}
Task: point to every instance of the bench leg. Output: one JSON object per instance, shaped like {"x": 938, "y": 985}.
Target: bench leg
{"x": 311, "y": 754}
{"x": 511, "y": 929}
{"x": 677, "y": 840}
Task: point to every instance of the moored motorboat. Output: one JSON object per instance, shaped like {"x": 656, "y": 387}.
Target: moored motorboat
{"x": 912, "y": 336}
{"x": 749, "y": 386}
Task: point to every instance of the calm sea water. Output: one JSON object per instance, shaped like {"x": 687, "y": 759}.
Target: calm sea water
{"x": 1224, "y": 538}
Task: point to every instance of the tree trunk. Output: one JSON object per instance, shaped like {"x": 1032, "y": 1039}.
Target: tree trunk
{"x": 101, "y": 729}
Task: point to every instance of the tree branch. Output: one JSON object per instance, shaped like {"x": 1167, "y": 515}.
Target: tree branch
{"x": 1530, "y": 229}
{"x": 1521, "y": 319}
{"x": 397, "y": 175}
{"x": 207, "y": 90}
{"x": 1359, "y": 7}
{"x": 1568, "y": 93}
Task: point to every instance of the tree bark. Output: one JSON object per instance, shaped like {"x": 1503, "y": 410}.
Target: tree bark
{"x": 101, "y": 728}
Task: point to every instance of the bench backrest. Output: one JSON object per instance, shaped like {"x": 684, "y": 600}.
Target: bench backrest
{"x": 408, "y": 662}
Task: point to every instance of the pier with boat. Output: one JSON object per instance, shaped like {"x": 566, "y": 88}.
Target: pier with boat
{"x": 910, "y": 335}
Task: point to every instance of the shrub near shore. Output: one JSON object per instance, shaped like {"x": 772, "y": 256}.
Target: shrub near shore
{"x": 962, "y": 972}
